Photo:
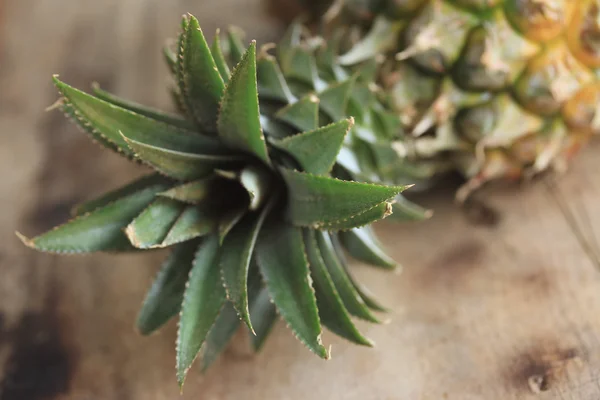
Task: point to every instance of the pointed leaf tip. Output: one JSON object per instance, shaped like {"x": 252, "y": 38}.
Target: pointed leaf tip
{"x": 271, "y": 82}
{"x": 236, "y": 47}
{"x": 236, "y": 254}
{"x": 202, "y": 303}
{"x": 302, "y": 114}
{"x": 263, "y": 312}
{"x": 219, "y": 57}
{"x": 405, "y": 210}
{"x": 334, "y": 99}
{"x": 199, "y": 78}
{"x": 318, "y": 201}
{"x": 362, "y": 244}
{"x": 105, "y": 121}
{"x": 239, "y": 119}
{"x": 98, "y": 230}
{"x": 332, "y": 312}
{"x": 281, "y": 245}
{"x": 153, "y": 224}
{"x": 342, "y": 279}
{"x": 163, "y": 300}
{"x": 317, "y": 150}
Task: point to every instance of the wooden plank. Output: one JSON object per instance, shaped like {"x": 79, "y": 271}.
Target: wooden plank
{"x": 480, "y": 312}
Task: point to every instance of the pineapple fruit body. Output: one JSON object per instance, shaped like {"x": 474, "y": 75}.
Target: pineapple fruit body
{"x": 492, "y": 88}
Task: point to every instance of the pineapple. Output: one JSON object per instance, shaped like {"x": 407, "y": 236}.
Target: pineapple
{"x": 491, "y": 88}
{"x": 260, "y": 190}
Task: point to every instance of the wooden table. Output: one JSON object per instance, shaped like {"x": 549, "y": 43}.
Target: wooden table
{"x": 504, "y": 312}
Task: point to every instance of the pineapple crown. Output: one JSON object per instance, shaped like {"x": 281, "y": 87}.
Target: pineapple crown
{"x": 255, "y": 192}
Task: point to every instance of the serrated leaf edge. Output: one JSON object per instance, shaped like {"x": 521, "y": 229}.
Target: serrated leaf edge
{"x": 281, "y": 314}
{"x": 245, "y": 314}
{"x": 266, "y": 158}
{"x": 389, "y": 202}
{"x": 177, "y": 341}
{"x": 368, "y": 342}
{"x": 29, "y": 242}
{"x": 132, "y": 235}
{"x": 288, "y": 139}
{"x": 329, "y": 225}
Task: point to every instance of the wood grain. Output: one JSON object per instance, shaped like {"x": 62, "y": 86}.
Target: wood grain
{"x": 504, "y": 312}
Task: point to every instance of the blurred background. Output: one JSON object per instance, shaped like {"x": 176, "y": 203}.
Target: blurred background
{"x": 479, "y": 312}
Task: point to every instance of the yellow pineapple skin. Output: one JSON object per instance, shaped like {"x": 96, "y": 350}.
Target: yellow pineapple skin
{"x": 503, "y": 88}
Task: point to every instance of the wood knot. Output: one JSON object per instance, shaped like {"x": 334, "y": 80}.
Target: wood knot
{"x": 546, "y": 369}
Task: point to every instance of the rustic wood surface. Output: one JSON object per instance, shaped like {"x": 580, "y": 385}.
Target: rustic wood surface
{"x": 504, "y": 312}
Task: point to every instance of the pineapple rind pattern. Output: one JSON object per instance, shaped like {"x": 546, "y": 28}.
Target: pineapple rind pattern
{"x": 457, "y": 71}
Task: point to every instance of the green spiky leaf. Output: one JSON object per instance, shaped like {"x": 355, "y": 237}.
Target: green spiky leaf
{"x": 351, "y": 298}
{"x": 362, "y": 245}
{"x": 286, "y": 46}
{"x": 382, "y": 38}
{"x": 164, "y": 298}
{"x": 302, "y": 67}
{"x": 317, "y": 150}
{"x": 229, "y": 220}
{"x": 275, "y": 129}
{"x": 202, "y": 302}
{"x": 193, "y": 222}
{"x": 239, "y": 119}
{"x": 368, "y": 297}
{"x": 105, "y": 122}
{"x": 327, "y": 58}
{"x": 142, "y": 183}
{"x": 200, "y": 81}
{"x": 389, "y": 122}
{"x": 283, "y": 264}
{"x": 177, "y": 99}
{"x": 219, "y": 336}
{"x": 257, "y": 182}
{"x": 332, "y": 311}
{"x": 377, "y": 213}
{"x": 151, "y": 113}
{"x": 321, "y": 201}
{"x": 151, "y": 227}
{"x": 75, "y": 116}
{"x": 271, "y": 82}
{"x": 179, "y": 164}
{"x": 263, "y": 314}
{"x": 193, "y": 192}
{"x": 99, "y": 230}
{"x": 363, "y": 292}
{"x": 404, "y": 210}
{"x": 236, "y": 254}
{"x": 219, "y": 58}
{"x": 170, "y": 58}
{"x": 302, "y": 115}
{"x": 334, "y": 100}
{"x": 236, "y": 47}
{"x": 363, "y": 96}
